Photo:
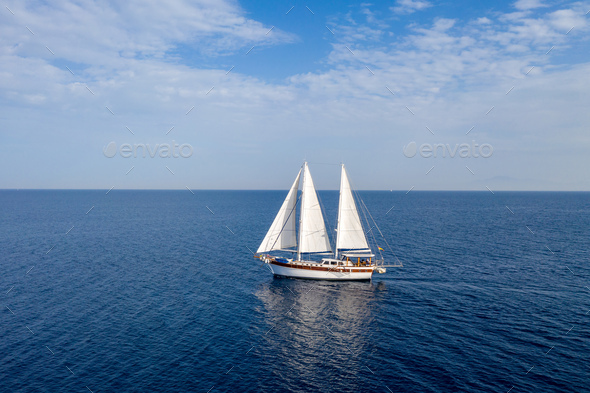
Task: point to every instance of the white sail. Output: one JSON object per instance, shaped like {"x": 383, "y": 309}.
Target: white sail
{"x": 312, "y": 229}
{"x": 281, "y": 234}
{"x": 350, "y": 234}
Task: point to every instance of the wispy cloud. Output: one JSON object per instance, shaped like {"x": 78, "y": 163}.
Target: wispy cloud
{"x": 528, "y": 4}
{"x": 410, "y": 6}
{"x": 96, "y": 33}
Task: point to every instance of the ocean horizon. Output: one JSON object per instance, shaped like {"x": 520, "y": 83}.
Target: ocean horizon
{"x": 270, "y": 189}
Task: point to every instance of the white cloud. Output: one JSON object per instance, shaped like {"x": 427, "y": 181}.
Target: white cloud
{"x": 483, "y": 21}
{"x": 410, "y": 6}
{"x": 520, "y": 28}
{"x": 443, "y": 24}
{"x": 528, "y": 4}
{"x": 564, "y": 20}
{"x": 92, "y": 33}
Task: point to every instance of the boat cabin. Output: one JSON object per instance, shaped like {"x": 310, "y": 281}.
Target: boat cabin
{"x": 349, "y": 260}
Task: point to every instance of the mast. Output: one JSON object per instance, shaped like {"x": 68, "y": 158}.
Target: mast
{"x": 313, "y": 237}
{"x": 304, "y": 169}
{"x": 339, "y": 214}
{"x": 349, "y": 232}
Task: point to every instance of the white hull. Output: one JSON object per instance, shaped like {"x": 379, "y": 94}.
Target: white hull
{"x": 312, "y": 271}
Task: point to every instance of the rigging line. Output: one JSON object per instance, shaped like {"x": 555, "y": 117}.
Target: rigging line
{"x": 367, "y": 210}
{"x": 372, "y": 232}
{"x": 376, "y": 226}
{"x": 368, "y": 223}
{"x": 384, "y": 239}
{"x": 353, "y": 189}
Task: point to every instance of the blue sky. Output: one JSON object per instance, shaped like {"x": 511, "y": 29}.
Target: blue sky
{"x": 327, "y": 82}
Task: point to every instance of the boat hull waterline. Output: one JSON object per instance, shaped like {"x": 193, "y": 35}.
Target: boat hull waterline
{"x": 316, "y": 271}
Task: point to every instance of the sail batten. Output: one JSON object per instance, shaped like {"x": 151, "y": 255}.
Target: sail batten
{"x": 313, "y": 237}
{"x": 282, "y": 233}
{"x": 349, "y": 233}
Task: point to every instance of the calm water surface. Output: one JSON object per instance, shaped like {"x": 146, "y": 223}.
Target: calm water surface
{"x": 150, "y": 291}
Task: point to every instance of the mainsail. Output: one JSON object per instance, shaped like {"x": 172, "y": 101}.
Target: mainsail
{"x": 281, "y": 234}
{"x": 350, "y": 234}
{"x": 313, "y": 236}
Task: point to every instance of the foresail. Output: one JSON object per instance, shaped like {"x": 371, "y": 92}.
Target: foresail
{"x": 349, "y": 234}
{"x": 282, "y": 233}
{"x": 312, "y": 232}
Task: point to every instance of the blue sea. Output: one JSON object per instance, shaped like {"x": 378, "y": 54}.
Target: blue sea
{"x": 157, "y": 291}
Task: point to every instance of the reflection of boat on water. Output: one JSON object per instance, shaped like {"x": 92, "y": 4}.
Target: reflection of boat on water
{"x": 312, "y": 331}
{"x": 352, "y": 258}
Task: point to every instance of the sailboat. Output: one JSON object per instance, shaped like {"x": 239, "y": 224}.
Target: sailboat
{"x": 351, "y": 259}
